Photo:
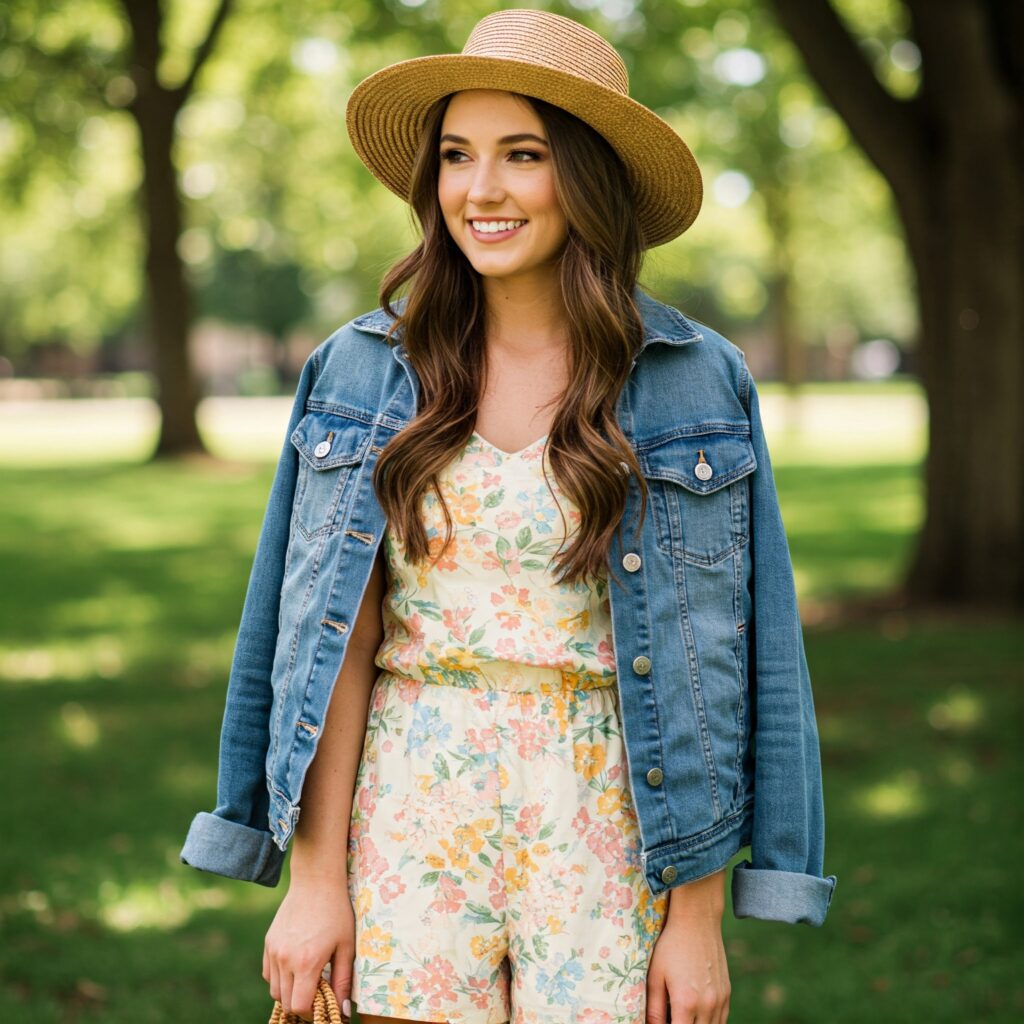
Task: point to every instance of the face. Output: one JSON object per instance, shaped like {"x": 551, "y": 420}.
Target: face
{"x": 485, "y": 175}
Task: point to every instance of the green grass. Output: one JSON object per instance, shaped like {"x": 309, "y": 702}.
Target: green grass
{"x": 123, "y": 588}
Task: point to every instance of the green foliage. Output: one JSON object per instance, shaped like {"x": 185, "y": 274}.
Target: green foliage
{"x": 267, "y": 169}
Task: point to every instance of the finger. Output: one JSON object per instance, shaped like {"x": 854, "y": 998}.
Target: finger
{"x": 303, "y": 990}
{"x": 275, "y": 980}
{"x": 680, "y": 1010}
{"x": 723, "y": 1013}
{"x": 287, "y": 980}
{"x": 342, "y": 969}
{"x": 657, "y": 1002}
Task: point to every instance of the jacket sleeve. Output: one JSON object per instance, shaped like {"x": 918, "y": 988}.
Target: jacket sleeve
{"x": 783, "y": 879}
{"x": 235, "y": 840}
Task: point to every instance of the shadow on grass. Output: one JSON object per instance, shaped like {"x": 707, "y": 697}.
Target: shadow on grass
{"x": 125, "y": 586}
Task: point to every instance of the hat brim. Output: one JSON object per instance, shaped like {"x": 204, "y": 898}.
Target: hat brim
{"x": 386, "y": 111}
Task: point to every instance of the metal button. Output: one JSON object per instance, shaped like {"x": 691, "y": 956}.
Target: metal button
{"x": 655, "y": 776}
{"x": 668, "y": 875}
{"x": 631, "y": 562}
{"x": 625, "y": 468}
{"x": 322, "y": 449}
{"x": 703, "y": 468}
{"x": 641, "y": 664}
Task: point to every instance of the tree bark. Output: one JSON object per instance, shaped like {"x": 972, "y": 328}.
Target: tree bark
{"x": 168, "y": 300}
{"x": 954, "y": 158}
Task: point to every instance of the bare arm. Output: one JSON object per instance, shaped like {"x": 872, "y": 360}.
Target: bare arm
{"x": 315, "y": 921}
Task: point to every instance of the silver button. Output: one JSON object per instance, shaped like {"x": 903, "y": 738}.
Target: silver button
{"x": 655, "y": 776}
{"x": 641, "y": 664}
{"x": 322, "y": 449}
{"x": 703, "y": 470}
{"x": 625, "y": 467}
{"x": 631, "y": 562}
{"x": 668, "y": 875}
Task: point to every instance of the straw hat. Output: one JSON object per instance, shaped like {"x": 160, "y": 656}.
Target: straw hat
{"x": 549, "y": 57}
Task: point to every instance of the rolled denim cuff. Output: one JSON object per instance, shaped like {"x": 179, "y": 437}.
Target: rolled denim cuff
{"x": 232, "y": 849}
{"x": 790, "y": 896}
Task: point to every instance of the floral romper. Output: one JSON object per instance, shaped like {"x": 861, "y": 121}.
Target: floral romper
{"x": 494, "y": 853}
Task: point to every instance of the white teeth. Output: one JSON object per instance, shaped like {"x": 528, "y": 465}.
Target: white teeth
{"x": 492, "y": 226}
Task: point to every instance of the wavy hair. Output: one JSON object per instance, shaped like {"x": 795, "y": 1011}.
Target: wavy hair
{"x": 598, "y": 270}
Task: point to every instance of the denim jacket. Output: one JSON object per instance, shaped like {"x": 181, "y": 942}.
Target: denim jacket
{"x": 716, "y": 705}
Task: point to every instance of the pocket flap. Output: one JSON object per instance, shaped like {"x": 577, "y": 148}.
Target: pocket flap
{"x": 727, "y": 456}
{"x": 326, "y": 440}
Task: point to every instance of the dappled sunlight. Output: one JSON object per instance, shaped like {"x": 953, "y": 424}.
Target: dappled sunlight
{"x": 901, "y": 796}
{"x": 162, "y": 905}
{"x": 78, "y": 727}
{"x": 960, "y": 711}
{"x": 145, "y": 533}
{"x": 893, "y": 508}
{"x": 85, "y": 659}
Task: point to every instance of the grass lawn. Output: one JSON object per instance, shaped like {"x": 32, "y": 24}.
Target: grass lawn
{"x": 123, "y": 588}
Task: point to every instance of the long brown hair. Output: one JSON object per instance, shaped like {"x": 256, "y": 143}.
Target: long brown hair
{"x": 443, "y": 333}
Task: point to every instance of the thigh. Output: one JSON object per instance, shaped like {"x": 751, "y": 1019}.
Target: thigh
{"x": 582, "y": 920}
{"x": 423, "y": 874}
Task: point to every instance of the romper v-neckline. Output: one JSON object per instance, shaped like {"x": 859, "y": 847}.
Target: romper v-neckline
{"x": 501, "y": 451}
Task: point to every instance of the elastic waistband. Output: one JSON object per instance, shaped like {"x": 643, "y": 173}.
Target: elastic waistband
{"x": 508, "y": 675}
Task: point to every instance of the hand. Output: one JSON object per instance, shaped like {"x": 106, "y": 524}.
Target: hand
{"x": 688, "y": 977}
{"x": 314, "y": 924}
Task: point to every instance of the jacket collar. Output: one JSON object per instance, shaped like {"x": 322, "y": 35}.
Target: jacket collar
{"x": 661, "y": 322}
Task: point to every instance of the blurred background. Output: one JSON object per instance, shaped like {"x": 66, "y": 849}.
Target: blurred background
{"x": 183, "y": 220}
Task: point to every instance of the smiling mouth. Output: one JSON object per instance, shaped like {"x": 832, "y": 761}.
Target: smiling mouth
{"x": 493, "y": 235}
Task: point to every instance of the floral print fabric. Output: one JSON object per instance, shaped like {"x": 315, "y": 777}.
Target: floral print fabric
{"x": 494, "y": 854}
{"x": 490, "y": 599}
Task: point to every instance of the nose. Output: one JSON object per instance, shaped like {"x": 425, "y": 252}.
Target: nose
{"x": 486, "y": 185}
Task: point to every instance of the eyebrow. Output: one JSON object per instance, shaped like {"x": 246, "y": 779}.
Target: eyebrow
{"x": 504, "y": 141}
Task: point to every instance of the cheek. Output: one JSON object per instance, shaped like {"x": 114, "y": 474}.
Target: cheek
{"x": 447, "y": 195}
{"x": 545, "y": 200}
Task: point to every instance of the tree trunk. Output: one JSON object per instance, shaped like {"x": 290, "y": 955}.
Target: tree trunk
{"x": 168, "y": 299}
{"x": 954, "y": 158}
{"x": 965, "y": 229}
{"x": 169, "y": 302}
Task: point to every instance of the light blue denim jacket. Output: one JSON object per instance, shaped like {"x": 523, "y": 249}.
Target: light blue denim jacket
{"x": 715, "y": 696}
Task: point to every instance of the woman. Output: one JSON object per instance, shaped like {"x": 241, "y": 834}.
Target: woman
{"x": 539, "y": 772}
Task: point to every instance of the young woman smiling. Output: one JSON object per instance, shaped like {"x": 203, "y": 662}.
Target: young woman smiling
{"x": 522, "y": 775}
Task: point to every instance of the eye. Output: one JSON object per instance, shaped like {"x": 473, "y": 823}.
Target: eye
{"x": 449, "y": 155}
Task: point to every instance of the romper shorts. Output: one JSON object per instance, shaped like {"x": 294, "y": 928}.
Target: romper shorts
{"x": 494, "y": 854}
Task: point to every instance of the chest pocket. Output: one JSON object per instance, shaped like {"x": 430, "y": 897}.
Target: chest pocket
{"x": 700, "y": 494}
{"x": 330, "y": 448}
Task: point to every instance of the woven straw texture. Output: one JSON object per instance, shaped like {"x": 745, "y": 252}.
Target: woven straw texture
{"x": 325, "y": 1008}
{"x": 549, "y": 57}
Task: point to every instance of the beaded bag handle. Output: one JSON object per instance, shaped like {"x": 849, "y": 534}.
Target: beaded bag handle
{"x": 325, "y": 1008}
